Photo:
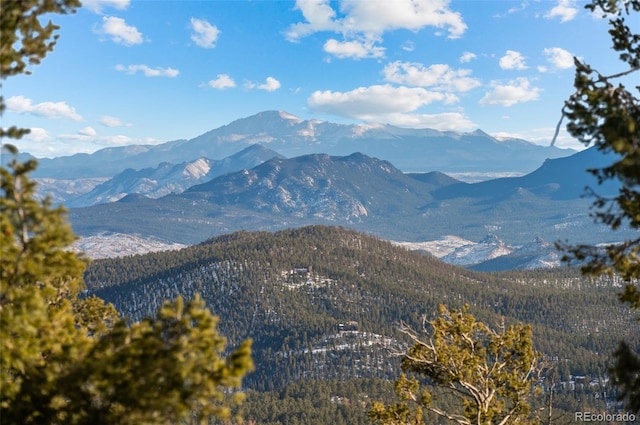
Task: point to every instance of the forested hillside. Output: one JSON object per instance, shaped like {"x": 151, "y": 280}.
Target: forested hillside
{"x": 325, "y": 302}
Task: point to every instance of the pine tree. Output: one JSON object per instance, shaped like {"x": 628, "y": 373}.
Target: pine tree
{"x": 490, "y": 373}
{"x": 604, "y": 113}
{"x": 69, "y": 359}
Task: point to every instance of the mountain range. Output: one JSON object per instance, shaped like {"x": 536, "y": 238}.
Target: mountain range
{"x": 273, "y": 170}
{"x": 408, "y": 149}
{"x": 369, "y": 195}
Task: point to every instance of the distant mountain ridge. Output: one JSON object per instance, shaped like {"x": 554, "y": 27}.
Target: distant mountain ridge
{"x": 369, "y": 195}
{"x": 408, "y": 149}
{"x": 171, "y": 178}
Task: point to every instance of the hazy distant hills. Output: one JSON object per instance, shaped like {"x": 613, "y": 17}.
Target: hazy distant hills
{"x": 366, "y": 194}
{"x": 408, "y": 149}
{"x": 557, "y": 179}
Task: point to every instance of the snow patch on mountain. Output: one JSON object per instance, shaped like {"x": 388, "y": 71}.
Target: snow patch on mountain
{"x": 287, "y": 116}
{"x": 491, "y": 252}
{"x": 360, "y": 130}
{"x": 111, "y": 245}
{"x": 488, "y": 248}
{"x": 438, "y": 248}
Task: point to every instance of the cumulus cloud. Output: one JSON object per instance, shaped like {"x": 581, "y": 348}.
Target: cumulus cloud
{"x": 467, "y": 57}
{"x": 270, "y": 84}
{"x": 512, "y": 60}
{"x": 438, "y": 76}
{"x": 388, "y": 104}
{"x": 120, "y": 32}
{"x": 559, "y": 58}
{"x": 369, "y": 20}
{"x": 148, "y": 71}
{"x": 376, "y": 17}
{"x": 319, "y": 16}
{"x": 109, "y": 121}
{"x": 353, "y": 49}
{"x": 24, "y": 105}
{"x": 96, "y": 6}
{"x": 204, "y": 34}
{"x": 565, "y": 10}
{"x": 367, "y": 102}
{"x": 516, "y": 91}
{"x": 223, "y": 81}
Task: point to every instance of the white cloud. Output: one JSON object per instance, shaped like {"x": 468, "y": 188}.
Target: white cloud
{"x": 94, "y": 141}
{"x": 559, "y": 58}
{"x": 223, "y": 81}
{"x": 439, "y": 76}
{"x": 565, "y": 10}
{"x": 319, "y": 16}
{"x": 467, "y": 57}
{"x": 109, "y": 121}
{"x": 380, "y": 16}
{"x": 519, "y": 8}
{"x": 452, "y": 121}
{"x": 21, "y": 105}
{"x": 120, "y": 32}
{"x": 408, "y": 46}
{"x": 353, "y": 49}
{"x": 516, "y": 91}
{"x": 88, "y": 131}
{"x": 512, "y": 60}
{"x": 37, "y": 134}
{"x": 367, "y": 102}
{"x": 368, "y": 20}
{"x": 270, "y": 84}
{"x": 148, "y": 71}
{"x": 543, "y": 136}
{"x": 40, "y": 144}
{"x": 204, "y": 34}
{"x": 96, "y": 6}
{"x": 388, "y": 104}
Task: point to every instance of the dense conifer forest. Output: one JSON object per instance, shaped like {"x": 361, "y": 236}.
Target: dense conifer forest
{"x": 323, "y": 306}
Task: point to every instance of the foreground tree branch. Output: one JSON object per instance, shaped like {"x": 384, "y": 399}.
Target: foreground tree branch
{"x": 491, "y": 373}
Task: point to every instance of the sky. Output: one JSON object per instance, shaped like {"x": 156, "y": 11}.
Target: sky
{"x": 150, "y": 71}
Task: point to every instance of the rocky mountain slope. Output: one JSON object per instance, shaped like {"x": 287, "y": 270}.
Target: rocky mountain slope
{"x": 170, "y": 178}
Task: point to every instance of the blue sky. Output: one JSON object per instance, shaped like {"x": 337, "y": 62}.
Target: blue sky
{"x": 136, "y": 72}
